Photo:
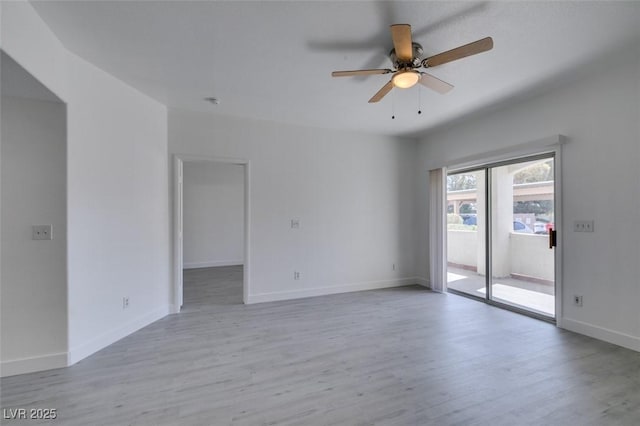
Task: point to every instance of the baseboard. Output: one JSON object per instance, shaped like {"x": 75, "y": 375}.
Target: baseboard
{"x": 423, "y": 282}
{"x": 323, "y": 291}
{"x": 33, "y": 364}
{"x": 83, "y": 350}
{"x": 600, "y": 333}
{"x": 196, "y": 265}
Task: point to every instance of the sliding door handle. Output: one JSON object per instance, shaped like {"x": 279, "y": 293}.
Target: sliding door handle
{"x": 552, "y": 238}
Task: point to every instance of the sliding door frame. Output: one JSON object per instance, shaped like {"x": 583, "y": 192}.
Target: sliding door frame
{"x": 544, "y": 148}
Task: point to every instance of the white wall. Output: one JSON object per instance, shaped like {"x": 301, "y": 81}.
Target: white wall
{"x": 600, "y": 114}
{"x": 530, "y": 255}
{"x": 352, "y": 192}
{"x": 527, "y": 254}
{"x": 213, "y": 214}
{"x": 462, "y": 247}
{"x": 118, "y": 233}
{"x": 34, "y": 273}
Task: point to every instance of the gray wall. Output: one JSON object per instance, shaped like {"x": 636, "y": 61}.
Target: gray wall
{"x": 34, "y": 274}
{"x": 352, "y": 193}
{"x": 213, "y": 214}
{"x": 117, "y": 200}
{"x": 600, "y": 115}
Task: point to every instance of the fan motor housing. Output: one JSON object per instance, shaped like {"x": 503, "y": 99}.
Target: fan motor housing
{"x": 417, "y": 54}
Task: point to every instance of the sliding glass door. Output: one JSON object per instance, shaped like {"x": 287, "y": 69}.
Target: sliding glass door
{"x": 500, "y": 234}
{"x": 466, "y": 227}
{"x": 522, "y": 218}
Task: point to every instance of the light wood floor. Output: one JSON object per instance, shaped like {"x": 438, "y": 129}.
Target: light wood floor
{"x": 402, "y": 356}
{"x": 208, "y": 288}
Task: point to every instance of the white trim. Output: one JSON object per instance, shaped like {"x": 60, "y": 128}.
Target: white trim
{"x": 178, "y": 266}
{"x": 188, "y": 158}
{"x": 178, "y": 203}
{"x": 437, "y": 230}
{"x": 105, "y": 339}
{"x": 549, "y": 145}
{"x": 212, "y": 264}
{"x": 423, "y": 282}
{"x": 323, "y": 291}
{"x": 557, "y": 207}
{"x": 33, "y": 364}
{"x": 539, "y": 146}
{"x": 621, "y": 339}
{"x": 246, "y": 273}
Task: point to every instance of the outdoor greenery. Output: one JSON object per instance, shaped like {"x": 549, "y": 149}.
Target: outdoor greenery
{"x": 454, "y": 221}
{"x": 453, "y": 218}
{"x": 539, "y": 172}
{"x": 461, "y": 181}
{"x": 540, "y": 207}
{"x": 467, "y": 208}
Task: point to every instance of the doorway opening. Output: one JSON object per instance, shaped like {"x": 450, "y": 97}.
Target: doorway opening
{"x": 211, "y": 232}
{"x": 34, "y": 294}
{"x": 501, "y": 234}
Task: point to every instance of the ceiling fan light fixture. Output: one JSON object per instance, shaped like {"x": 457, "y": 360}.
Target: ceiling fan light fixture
{"x": 405, "y": 79}
{"x": 406, "y": 57}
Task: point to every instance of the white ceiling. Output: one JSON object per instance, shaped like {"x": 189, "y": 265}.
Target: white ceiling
{"x": 272, "y": 60}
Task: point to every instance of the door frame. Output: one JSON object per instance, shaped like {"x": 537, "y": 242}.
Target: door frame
{"x": 178, "y": 222}
{"x": 552, "y": 146}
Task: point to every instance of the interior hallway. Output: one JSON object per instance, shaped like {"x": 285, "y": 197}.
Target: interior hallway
{"x": 207, "y": 288}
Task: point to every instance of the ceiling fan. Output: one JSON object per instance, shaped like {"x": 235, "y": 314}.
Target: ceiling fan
{"x": 406, "y": 58}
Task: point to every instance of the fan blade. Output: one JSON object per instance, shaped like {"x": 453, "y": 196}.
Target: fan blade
{"x": 401, "y": 35}
{"x": 382, "y": 92}
{"x": 359, "y": 72}
{"x": 459, "y": 52}
{"x": 434, "y": 83}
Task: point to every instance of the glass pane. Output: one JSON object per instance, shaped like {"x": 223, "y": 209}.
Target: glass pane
{"x": 522, "y": 215}
{"x": 466, "y": 245}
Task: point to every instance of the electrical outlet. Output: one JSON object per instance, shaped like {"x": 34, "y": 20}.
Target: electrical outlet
{"x": 295, "y": 223}
{"x": 296, "y": 275}
{"x": 41, "y": 232}
{"x": 125, "y": 302}
{"x": 577, "y": 300}
{"x": 582, "y": 226}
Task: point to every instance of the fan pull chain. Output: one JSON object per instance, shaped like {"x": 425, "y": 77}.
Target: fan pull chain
{"x": 419, "y": 101}
{"x": 393, "y": 105}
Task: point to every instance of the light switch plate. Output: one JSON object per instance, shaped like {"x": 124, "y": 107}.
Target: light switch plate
{"x": 583, "y": 226}
{"x": 42, "y": 232}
